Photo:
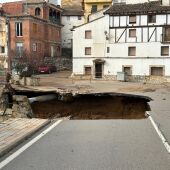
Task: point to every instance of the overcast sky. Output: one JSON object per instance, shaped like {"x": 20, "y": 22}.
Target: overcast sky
{"x": 2, "y": 1}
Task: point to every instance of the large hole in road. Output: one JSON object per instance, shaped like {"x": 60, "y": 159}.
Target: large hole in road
{"x": 93, "y": 106}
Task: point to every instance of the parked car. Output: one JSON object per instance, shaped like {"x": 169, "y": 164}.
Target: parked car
{"x": 47, "y": 69}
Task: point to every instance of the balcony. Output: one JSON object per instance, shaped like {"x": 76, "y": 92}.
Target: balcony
{"x": 55, "y": 20}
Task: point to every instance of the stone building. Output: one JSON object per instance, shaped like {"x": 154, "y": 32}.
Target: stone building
{"x": 35, "y": 30}
{"x": 3, "y": 41}
{"x": 70, "y": 19}
{"x": 130, "y": 38}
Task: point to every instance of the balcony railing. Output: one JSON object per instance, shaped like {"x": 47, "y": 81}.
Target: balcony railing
{"x": 55, "y": 20}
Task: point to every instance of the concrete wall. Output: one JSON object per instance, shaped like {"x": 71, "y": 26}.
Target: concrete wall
{"x": 67, "y": 34}
{"x": 140, "y": 66}
{"x": 165, "y": 2}
{"x": 98, "y": 27}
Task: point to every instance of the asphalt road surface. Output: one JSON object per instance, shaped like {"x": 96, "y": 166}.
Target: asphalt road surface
{"x": 96, "y": 145}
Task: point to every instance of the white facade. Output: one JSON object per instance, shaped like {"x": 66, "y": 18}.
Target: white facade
{"x": 69, "y": 22}
{"x": 165, "y": 2}
{"x": 3, "y": 43}
{"x": 110, "y": 43}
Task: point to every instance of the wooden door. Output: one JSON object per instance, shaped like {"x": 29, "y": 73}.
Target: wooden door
{"x": 98, "y": 70}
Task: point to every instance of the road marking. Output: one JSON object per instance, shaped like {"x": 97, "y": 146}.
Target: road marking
{"x": 26, "y": 146}
{"x": 162, "y": 137}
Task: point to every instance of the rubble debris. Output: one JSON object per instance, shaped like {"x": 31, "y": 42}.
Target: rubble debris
{"x": 21, "y": 107}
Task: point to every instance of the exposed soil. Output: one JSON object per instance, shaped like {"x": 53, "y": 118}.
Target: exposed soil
{"x": 94, "y": 106}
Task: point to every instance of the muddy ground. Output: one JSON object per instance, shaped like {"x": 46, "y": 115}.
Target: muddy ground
{"x": 93, "y": 107}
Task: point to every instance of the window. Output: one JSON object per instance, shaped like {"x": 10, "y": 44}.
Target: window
{"x": 37, "y": 11}
{"x": 127, "y": 70}
{"x": 165, "y": 51}
{"x": 34, "y": 47}
{"x": 39, "y": 47}
{"x": 35, "y": 28}
{"x": 87, "y": 50}
{"x": 2, "y": 49}
{"x": 105, "y": 6}
{"x": 132, "y": 19}
{"x": 18, "y": 29}
{"x": 87, "y": 70}
{"x": 68, "y": 18}
{"x": 108, "y": 49}
{"x": 151, "y": 18}
{"x": 132, "y": 32}
{"x": 94, "y": 8}
{"x": 52, "y": 51}
{"x": 19, "y": 49}
{"x": 79, "y": 17}
{"x": 88, "y": 34}
{"x": 58, "y": 33}
{"x": 132, "y": 51}
{"x": 166, "y": 35}
{"x": 157, "y": 71}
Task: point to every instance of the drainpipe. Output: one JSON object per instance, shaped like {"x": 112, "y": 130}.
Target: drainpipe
{"x": 43, "y": 98}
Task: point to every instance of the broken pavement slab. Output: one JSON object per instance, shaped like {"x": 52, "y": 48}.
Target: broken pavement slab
{"x": 14, "y": 131}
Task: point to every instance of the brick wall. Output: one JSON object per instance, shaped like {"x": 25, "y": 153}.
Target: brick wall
{"x": 44, "y": 36}
{"x": 12, "y": 7}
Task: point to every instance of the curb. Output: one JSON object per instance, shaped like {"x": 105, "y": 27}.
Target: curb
{"x": 11, "y": 146}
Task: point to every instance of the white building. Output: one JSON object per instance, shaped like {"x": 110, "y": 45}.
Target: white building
{"x": 3, "y": 42}
{"x": 130, "y": 38}
{"x": 70, "y": 19}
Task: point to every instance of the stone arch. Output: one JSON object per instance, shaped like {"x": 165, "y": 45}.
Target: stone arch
{"x": 58, "y": 15}
{"x": 54, "y": 14}
{"x": 50, "y": 13}
{"x": 37, "y": 11}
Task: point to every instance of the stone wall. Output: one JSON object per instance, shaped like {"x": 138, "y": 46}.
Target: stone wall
{"x": 136, "y": 78}
{"x": 21, "y": 107}
{"x": 74, "y": 4}
{"x": 61, "y": 63}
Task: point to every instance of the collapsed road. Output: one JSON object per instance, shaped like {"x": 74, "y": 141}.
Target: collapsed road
{"x": 89, "y": 144}
{"x": 85, "y": 106}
